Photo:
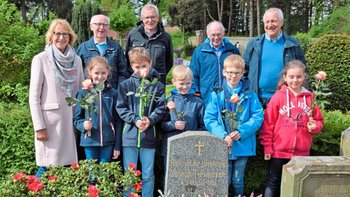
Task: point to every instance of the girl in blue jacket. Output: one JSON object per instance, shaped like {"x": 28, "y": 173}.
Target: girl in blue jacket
{"x": 235, "y": 114}
{"x": 101, "y": 132}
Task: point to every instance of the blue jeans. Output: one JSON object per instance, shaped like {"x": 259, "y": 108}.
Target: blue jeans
{"x": 131, "y": 155}
{"x": 40, "y": 172}
{"x": 236, "y": 170}
{"x": 100, "y": 153}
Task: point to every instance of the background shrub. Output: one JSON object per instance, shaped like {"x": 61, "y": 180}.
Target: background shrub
{"x": 331, "y": 53}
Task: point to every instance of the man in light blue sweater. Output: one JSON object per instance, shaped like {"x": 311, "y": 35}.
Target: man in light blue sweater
{"x": 266, "y": 55}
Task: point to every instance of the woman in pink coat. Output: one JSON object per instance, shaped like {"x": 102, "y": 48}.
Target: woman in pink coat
{"x": 55, "y": 74}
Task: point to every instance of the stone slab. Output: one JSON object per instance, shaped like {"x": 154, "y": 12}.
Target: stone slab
{"x": 197, "y": 165}
{"x": 325, "y": 176}
{"x": 345, "y": 143}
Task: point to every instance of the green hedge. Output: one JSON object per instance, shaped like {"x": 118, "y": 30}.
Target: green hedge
{"x": 331, "y": 53}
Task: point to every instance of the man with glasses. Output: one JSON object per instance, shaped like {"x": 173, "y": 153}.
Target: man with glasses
{"x": 100, "y": 45}
{"x": 151, "y": 35}
{"x": 266, "y": 55}
{"x": 208, "y": 58}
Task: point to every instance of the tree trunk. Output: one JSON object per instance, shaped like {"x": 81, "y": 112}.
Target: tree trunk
{"x": 220, "y": 7}
{"x": 287, "y": 20}
{"x": 251, "y": 24}
{"x": 230, "y": 19}
{"x": 258, "y": 24}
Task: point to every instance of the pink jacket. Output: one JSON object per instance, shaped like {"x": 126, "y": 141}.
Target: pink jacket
{"x": 284, "y": 133}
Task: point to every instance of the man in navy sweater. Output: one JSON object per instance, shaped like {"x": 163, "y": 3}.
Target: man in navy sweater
{"x": 266, "y": 55}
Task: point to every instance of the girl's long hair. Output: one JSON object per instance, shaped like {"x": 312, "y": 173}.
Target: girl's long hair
{"x": 290, "y": 65}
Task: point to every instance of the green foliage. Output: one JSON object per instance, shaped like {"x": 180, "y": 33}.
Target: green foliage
{"x": 83, "y": 10}
{"x": 16, "y": 139}
{"x": 331, "y": 53}
{"x": 19, "y": 42}
{"x": 305, "y": 40}
{"x": 327, "y": 142}
{"x": 179, "y": 39}
{"x": 17, "y": 94}
{"x": 74, "y": 181}
{"x": 121, "y": 18}
{"x": 337, "y": 22}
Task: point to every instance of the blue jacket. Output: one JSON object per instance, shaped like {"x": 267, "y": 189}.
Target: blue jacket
{"x": 114, "y": 55}
{"x": 249, "y": 118}
{"x": 252, "y": 56}
{"x": 128, "y": 110}
{"x": 194, "y": 112}
{"x": 207, "y": 67}
{"x": 104, "y": 114}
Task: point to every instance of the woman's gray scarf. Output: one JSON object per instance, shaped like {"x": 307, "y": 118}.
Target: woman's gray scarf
{"x": 64, "y": 66}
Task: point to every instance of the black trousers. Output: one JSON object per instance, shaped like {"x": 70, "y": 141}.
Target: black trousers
{"x": 273, "y": 184}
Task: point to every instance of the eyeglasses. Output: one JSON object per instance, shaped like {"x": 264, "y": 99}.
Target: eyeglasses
{"x": 233, "y": 73}
{"x": 101, "y": 24}
{"x": 63, "y": 34}
{"x": 149, "y": 17}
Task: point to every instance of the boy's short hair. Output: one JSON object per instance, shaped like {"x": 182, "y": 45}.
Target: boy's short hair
{"x": 234, "y": 61}
{"x": 139, "y": 54}
{"x": 182, "y": 72}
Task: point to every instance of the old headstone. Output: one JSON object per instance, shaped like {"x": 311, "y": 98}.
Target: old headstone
{"x": 345, "y": 143}
{"x": 325, "y": 176}
{"x": 197, "y": 164}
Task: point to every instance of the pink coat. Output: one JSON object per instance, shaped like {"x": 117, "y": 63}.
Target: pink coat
{"x": 49, "y": 110}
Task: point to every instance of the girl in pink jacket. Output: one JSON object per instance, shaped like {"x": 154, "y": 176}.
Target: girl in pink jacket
{"x": 289, "y": 123}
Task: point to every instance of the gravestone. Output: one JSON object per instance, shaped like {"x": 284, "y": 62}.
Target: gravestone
{"x": 197, "y": 164}
{"x": 316, "y": 176}
{"x": 345, "y": 143}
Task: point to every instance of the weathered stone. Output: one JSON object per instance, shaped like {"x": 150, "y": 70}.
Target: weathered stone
{"x": 345, "y": 143}
{"x": 197, "y": 164}
{"x": 316, "y": 176}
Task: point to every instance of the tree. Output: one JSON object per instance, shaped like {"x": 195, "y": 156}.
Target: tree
{"x": 121, "y": 19}
{"x": 82, "y": 12}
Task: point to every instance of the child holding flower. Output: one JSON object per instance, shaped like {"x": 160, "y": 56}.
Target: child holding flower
{"x": 186, "y": 110}
{"x": 141, "y": 104}
{"x": 291, "y": 119}
{"x": 235, "y": 114}
{"x": 99, "y": 124}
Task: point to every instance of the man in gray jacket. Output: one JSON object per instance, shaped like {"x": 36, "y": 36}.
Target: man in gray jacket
{"x": 266, "y": 55}
{"x": 151, "y": 35}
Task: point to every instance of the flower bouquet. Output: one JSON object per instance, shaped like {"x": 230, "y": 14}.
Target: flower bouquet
{"x": 87, "y": 102}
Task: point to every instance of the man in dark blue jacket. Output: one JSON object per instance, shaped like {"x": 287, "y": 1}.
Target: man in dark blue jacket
{"x": 151, "y": 35}
{"x": 208, "y": 58}
{"x": 100, "y": 45}
{"x": 266, "y": 55}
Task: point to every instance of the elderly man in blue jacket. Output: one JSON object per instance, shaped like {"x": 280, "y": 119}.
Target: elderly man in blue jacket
{"x": 266, "y": 55}
{"x": 208, "y": 58}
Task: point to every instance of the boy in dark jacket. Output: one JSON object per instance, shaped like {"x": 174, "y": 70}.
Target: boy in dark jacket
{"x": 141, "y": 104}
{"x": 186, "y": 111}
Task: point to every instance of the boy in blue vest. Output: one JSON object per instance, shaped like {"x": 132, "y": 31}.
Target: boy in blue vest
{"x": 186, "y": 110}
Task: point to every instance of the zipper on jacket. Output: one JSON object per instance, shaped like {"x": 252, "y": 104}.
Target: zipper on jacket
{"x": 101, "y": 135}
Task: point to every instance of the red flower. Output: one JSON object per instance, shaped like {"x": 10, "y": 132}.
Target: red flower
{"x": 52, "y": 178}
{"x": 93, "y": 191}
{"x": 35, "y": 186}
{"x": 234, "y": 98}
{"x": 32, "y": 179}
{"x": 19, "y": 176}
{"x": 75, "y": 166}
{"x": 138, "y": 186}
{"x": 134, "y": 195}
{"x": 137, "y": 173}
{"x": 132, "y": 166}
